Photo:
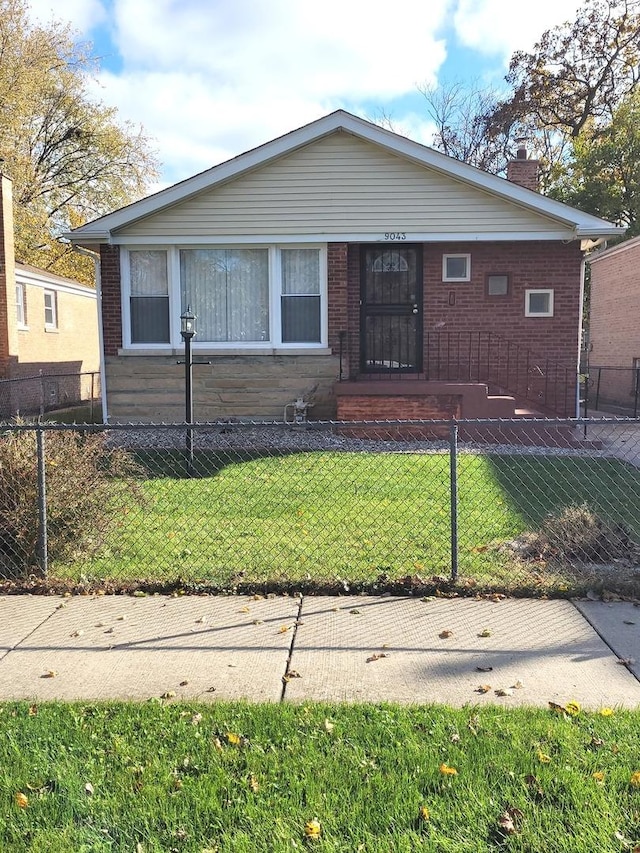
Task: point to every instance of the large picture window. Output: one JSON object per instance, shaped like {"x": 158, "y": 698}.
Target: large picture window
{"x": 228, "y": 291}
{"x": 243, "y": 297}
{"x": 149, "y": 301}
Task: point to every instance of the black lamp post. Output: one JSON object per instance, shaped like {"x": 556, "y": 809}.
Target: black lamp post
{"x": 188, "y": 330}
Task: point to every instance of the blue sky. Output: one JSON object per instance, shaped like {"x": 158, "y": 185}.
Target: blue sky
{"x": 209, "y": 79}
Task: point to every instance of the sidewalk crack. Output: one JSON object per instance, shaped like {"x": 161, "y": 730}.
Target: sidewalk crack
{"x": 30, "y": 634}
{"x": 291, "y": 646}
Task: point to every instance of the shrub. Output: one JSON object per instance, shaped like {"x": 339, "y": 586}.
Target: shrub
{"x": 578, "y": 533}
{"x": 87, "y": 484}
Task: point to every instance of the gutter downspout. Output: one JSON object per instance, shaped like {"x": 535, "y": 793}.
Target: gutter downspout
{"x": 103, "y": 379}
{"x": 583, "y": 266}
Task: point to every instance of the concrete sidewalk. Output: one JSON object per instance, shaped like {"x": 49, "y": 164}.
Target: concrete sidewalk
{"x": 348, "y": 649}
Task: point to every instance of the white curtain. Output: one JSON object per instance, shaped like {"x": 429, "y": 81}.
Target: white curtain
{"x": 228, "y": 291}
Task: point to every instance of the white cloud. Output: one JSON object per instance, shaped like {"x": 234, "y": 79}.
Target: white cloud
{"x": 84, "y": 15}
{"x": 210, "y": 79}
{"x": 498, "y": 27}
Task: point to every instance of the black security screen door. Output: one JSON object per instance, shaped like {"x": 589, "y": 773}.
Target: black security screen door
{"x": 391, "y": 309}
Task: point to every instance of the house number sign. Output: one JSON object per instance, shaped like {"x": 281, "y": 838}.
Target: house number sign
{"x": 395, "y": 235}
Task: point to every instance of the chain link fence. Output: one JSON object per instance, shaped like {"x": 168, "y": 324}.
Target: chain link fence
{"x": 49, "y": 392}
{"x": 615, "y": 390}
{"x": 522, "y": 506}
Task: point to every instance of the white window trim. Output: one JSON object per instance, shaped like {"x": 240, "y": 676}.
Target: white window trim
{"x": 445, "y": 258}
{"x": 22, "y": 305}
{"x": 275, "y": 326}
{"x": 527, "y": 295}
{"x": 54, "y": 308}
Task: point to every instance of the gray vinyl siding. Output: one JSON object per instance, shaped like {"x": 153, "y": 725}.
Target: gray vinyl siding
{"x": 340, "y": 184}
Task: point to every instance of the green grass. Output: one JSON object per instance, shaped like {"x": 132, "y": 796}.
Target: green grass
{"x": 164, "y": 779}
{"x": 354, "y": 516}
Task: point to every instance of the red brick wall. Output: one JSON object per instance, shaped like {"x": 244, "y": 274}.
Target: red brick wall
{"x": 615, "y": 307}
{"x": 614, "y": 328}
{"x": 465, "y": 306}
{"x": 111, "y": 301}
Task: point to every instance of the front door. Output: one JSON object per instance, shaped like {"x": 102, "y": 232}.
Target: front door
{"x": 391, "y": 309}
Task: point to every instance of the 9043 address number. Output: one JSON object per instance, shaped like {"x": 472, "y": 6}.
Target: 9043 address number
{"x": 395, "y": 235}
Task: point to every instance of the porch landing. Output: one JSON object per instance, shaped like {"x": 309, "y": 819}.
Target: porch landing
{"x": 424, "y": 400}
{"x": 418, "y": 399}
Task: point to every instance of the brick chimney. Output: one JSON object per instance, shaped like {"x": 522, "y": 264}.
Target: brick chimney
{"x": 522, "y": 170}
{"x": 8, "y": 328}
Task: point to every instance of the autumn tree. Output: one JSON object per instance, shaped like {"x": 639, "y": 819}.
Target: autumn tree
{"x": 603, "y": 175}
{"x": 69, "y": 156}
{"x": 577, "y": 73}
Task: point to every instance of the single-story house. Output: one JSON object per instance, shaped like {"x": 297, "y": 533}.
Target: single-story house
{"x": 346, "y": 265}
{"x": 49, "y": 341}
{"x": 614, "y": 327}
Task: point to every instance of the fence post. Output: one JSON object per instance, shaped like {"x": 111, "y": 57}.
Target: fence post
{"x": 41, "y": 393}
{"x": 43, "y": 550}
{"x": 453, "y": 481}
{"x": 91, "y": 418}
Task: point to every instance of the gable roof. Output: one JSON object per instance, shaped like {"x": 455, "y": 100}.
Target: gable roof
{"x": 582, "y": 225}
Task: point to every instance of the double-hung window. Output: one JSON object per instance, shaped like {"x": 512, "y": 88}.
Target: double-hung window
{"x": 149, "y": 297}
{"x": 300, "y": 295}
{"x": 50, "y": 310}
{"x": 21, "y": 304}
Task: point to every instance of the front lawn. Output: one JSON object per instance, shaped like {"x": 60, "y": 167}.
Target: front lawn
{"x": 327, "y": 517}
{"x": 158, "y": 777}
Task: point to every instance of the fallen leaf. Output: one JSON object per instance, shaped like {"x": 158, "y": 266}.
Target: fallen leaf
{"x": 517, "y": 685}
{"x": 506, "y": 824}
{"x": 50, "y": 673}
{"x": 218, "y": 744}
{"x": 543, "y": 758}
{"x": 329, "y": 726}
{"x": 121, "y": 618}
{"x": 257, "y": 622}
{"x": 88, "y": 789}
{"x": 184, "y": 683}
{"x": 634, "y": 781}
{"x": 504, "y": 691}
{"x": 201, "y": 620}
{"x": 484, "y": 669}
{"x": 254, "y": 784}
{"x": 312, "y": 829}
{"x": 77, "y": 633}
{"x": 423, "y": 814}
{"x": 447, "y": 771}
{"x": 244, "y": 610}
{"x": 627, "y": 622}
{"x": 233, "y": 738}
{"x": 625, "y": 661}
{"x": 376, "y": 656}
{"x": 22, "y": 801}
{"x": 109, "y": 631}
{"x": 534, "y": 786}
{"x": 196, "y": 719}
{"x": 291, "y": 673}
{"x": 33, "y": 710}
{"x": 444, "y": 635}
{"x": 486, "y": 632}
{"x": 455, "y": 738}
{"x": 283, "y": 629}
{"x": 560, "y": 709}
{"x": 598, "y": 776}
{"x": 355, "y": 612}
{"x": 483, "y": 688}
{"x": 168, "y": 694}
{"x": 572, "y": 708}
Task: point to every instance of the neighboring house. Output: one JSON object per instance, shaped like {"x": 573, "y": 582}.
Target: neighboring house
{"x": 614, "y": 326}
{"x": 332, "y": 258}
{"x": 48, "y": 327}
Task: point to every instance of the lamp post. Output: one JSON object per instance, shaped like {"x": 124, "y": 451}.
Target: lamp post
{"x": 188, "y": 330}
